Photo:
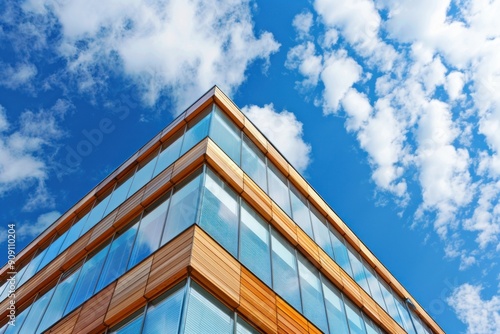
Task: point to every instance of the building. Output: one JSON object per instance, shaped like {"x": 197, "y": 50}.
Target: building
{"x": 206, "y": 229}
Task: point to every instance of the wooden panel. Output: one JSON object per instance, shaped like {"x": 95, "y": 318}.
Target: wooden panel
{"x": 91, "y": 317}
{"x": 258, "y": 302}
{"x": 229, "y": 107}
{"x": 170, "y": 264}
{"x": 388, "y": 324}
{"x": 177, "y": 124}
{"x": 308, "y": 247}
{"x": 255, "y": 135}
{"x": 318, "y": 202}
{"x": 351, "y": 288}
{"x": 128, "y": 295}
{"x": 76, "y": 251}
{"x": 257, "y": 198}
{"x": 102, "y": 231}
{"x": 331, "y": 269}
{"x": 283, "y": 224}
{"x": 313, "y": 329}
{"x": 189, "y": 161}
{"x": 352, "y": 239}
{"x": 67, "y": 324}
{"x": 368, "y": 255}
{"x": 289, "y": 320}
{"x": 215, "y": 269}
{"x": 157, "y": 186}
{"x": 227, "y": 168}
{"x": 298, "y": 181}
{"x": 277, "y": 159}
{"x": 370, "y": 307}
{"x": 129, "y": 209}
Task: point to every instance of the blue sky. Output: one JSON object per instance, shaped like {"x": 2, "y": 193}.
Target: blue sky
{"x": 391, "y": 109}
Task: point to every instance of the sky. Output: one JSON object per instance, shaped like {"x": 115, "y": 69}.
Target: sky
{"x": 390, "y": 109}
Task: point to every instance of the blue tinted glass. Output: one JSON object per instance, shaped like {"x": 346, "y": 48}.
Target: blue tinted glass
{"x": 243, "y": 327}
{"x": 53, "y": 250}
{"x": 168, "y": 155}
{"x": 219, "y": 213}
{"x": 132, "y": 326}
{"x": 356, "y": 323}
{"x": 36, "y": 312}
{"x": 335, "y": 309}
{"x": 403, "y": 312}
{"x": 254, "y": 244}
{"x": 87, "y": 280}
{"x": 340, "y": 251}
{"x": 390, "y": 303}
{"x": 226, "y": 134}
{"x": 372, "y": 280}
{"x": 300, "y": 211}
{"x": 149, "y": 234}
{"x": 195, "y": 133}
{"x": 58, "y": 302}
{"x": 73, "y": 233}
{"x": 119, "y": 195}
{"x": 370, "y": 327}
{"x": 312, "y": 295}
{"x": 96, "y": 214}
{"x": 142, "y": 176}
{"x": 116, "y": 261}
{"x": 278, "y": 189}
{"x": 183, "y": 208}
{"x": 164, "y": 314}
{"x": 19, "y": 322}
{"x": 357, "y": 270}
{"x": 205, "y": 314}
{"x": 253, "y": 163}
{"x": 31, "y": 268}
{"x": 321, "y": 235}
{"x": 285, "y": 276}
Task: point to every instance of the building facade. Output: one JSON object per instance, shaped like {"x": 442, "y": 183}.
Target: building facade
{"x": 206, "y": 229}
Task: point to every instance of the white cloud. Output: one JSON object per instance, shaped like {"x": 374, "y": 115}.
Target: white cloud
{"x": 303, "y": 57}
{"x": 303, "y": 23}
{"x": 481, "y": 316}
{"x": 18, "y": 76}
{"x": 284, "y": 131}
{"x": 454, "y": 85}
{"x": 180, "y": 48}
{"x": 28, "y": 231}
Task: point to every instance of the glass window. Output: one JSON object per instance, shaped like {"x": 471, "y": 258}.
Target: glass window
{"x": 226, "y": 134}
{"x": 197, "y": 130}
{"x": 357, "y": 269}
{"x": 300, "y": 211}
{"x": 371, "y": 328}
{"x": 120, "y": 193}
{"x": 19, "y": 322}
{"x": 170, "y": 152}
{"x": 143, "y": 174}
{"x": 278, "y": 189}
{"x": 36, "y": 312}
{"x": 372, "y": 280}
{"x": 219, "y": 212}
{"x": 163, "y": 315}
{"x": 285, "y": 276}
{"x": 183, "y": 208}
{"x": 149, "y": 234}
{"x": 404, "y": 316}
{"x": 74, "y": 232}
{"x": 334, "y": 309}
{"x": 87, "y": 280}
{"x": 356, "y": 323}
{"x": 390, "y": 302}
{"x": 53, "y": 250}
{"x": 321, "y": 235}
{"x": 133, "y": 325}
{"x": 31, "y": 268}
{"x": 205, "y": 314}
{"x": 117, "y": 259}
{"x": 253, "y": 163}
{"x": 340, "y": 251}
{"x": 312, "y": 295}
{"x": 57, "y": 304}
{"x": 96, "y": 214}
{"x": 254, "y": 244}
{"x": 243, "y": 327}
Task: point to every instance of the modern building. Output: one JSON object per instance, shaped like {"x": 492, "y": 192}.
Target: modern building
{"x": 206, "y": 229}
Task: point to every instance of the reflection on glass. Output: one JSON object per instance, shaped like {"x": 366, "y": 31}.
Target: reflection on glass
{"x": 356, "y": 323}
{"x": 357, "y": 269}
{"x": 53, "y": 250}
{"x": 19, "y": 322}
{"x": 119, "y": 194}
{"x": 35, "y": 313}
{"x": 129, "y": 326}
{"x": 243, "y": 327}
{"x": 300, "y": 211}
{"x": 340, "y": 251}
{"x": 142, "y": 175}
{"x": 321, "y": 234}
{"x": 278, "y": 189}
{"x": 225, "y": 134}
{"x": 219, "y": 212}
{"x": 335, "y": 309}
{"x": 164, "y": 313}
{"x": 96, "y": 214}
{"x": 32, "y": 267}
{"x": 196, "y": 131}
{"x": 375, "y": 291}
{"x": 74, "y": 232}
{"x": 390, "y": 302}
{"x": 253, "y": 163}
{"x": 170, "y": 152}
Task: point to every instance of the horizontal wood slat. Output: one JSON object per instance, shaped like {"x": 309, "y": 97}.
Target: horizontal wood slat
{"x": 93, "y": 311}
{"x": 256, "y": 197}
{"x": 66, "y": 325}
{"x": 186, "y": 164}
{"x": 157, "y": 186}
{"x": 227, "y": 168}
{"x": 284, "y": 224}
{"x": 289, "y": 320}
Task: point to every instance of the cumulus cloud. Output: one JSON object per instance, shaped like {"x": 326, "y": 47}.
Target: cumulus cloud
{"x": 179, "y": 48}
{"x": 20, "y": 75}
{"x": 284, "y": 131}
{"x": 481, "y": 316}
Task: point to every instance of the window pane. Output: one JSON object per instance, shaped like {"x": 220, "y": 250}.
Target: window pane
{"x": 58, "y": 302}
{"x": 278, "y": 189}
{"x": 390, "y": 302}
{"x": 243, "y": 327}
{"x": 300, "y": 211}
{"x": 119, "y": 195}
{"x": 253, "y": 163}
{"x": 142, "y": 175}
{"x": 132, "y": 326}
{"x": 32, "y": 268}
{"x": 357, "y": 269}
{"x": 254, "y": 244}
{"x": 404, "y": 315}
{"x": 183, "y": 208}
{"x": 376, "y": 293}
{"x": 195, "y": 133}
{"x": 356, "y": 323}
{"x": 87, "y": 281}
{"x": 150, "y": 228}
{"x": 312, "y": 295}
{"x": 340, "y": 251}
{"x": 164, "y": 314}
{"x": 36, "y": 312}
{"x": 219, "y": 213}
{"x": 335, "y": 309}
{"x": 116, "y": 261}
{"x": 74, "y": 233}
{"x": 19, "y": 322}
{"x": 226, "y": 134}
{"x": 169, "y": 153}
{"x": 371, "y": 328}
{"x": 53, "y": 250}
{"x": 285, "y": 276}
{"x": 321, "y": 235}
{"x": 96, "y": 214}
{"x": 205, "y": 314}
